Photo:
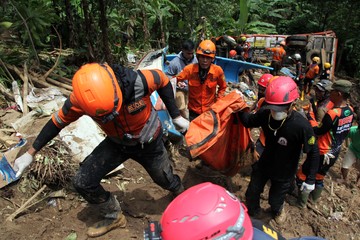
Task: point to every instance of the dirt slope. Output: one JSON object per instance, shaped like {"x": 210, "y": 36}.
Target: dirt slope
{"x": 336, "y": 216}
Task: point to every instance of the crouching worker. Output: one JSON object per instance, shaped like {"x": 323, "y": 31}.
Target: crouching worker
{"x": 118, "y": 100}
{"x": 286, "y": 132}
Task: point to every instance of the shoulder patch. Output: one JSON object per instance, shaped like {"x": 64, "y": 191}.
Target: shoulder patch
{"x": 347, "y": 112}
{"x": 311, "y": 141}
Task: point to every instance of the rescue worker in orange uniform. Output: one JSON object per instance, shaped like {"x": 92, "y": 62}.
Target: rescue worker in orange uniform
{"x": 233, "y": 54}
{"x": 312, "y": 71}
{"x": 331, "y": 133}
{"x": 277, "y": 57}
{"x": 204, "y": 77}
{"x": 244, "y": 50}
{"x": 118, "y": 100}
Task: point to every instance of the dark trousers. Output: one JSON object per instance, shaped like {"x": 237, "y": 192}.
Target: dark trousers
{"x": 108, "y": 155}
{"x": 278, "y": 190}
{"x": 277, "y": 65}
{"x": 308, "y": 83}
{"x": 322, "y": 171}
{"x": 192, "y": 115}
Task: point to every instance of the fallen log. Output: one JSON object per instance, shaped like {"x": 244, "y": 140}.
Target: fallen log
{"x": 5, "y": 92}
{"x": 25, "y": 90}
{"x": 61, "y": 78}
{"x": 38, "y": 82}
{"x": 25, "y": 205}
{"x": 59, "y": 84}
{"x": 46, "y": 84}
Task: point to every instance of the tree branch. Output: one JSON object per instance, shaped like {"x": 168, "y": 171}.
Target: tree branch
{"x": 28, "y": 31}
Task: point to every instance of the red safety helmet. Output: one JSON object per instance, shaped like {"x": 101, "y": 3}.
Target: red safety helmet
{"x": 264, "y": 79}
{"x": 206, "y": 48}
{"x": 232, "y": 53}
{"x": 206, "y": 211}
{"x": 96, "y": 90}
{"x": 281, "y": 90}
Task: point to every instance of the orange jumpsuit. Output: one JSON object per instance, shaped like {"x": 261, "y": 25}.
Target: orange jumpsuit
{"x": 203, "y": 95}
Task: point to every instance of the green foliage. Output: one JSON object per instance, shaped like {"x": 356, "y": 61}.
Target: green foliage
{"x": 261, "y": 27}
{"x": 39, "y": 16}
{"x": 244, "y": 15}
{"x": 251, "y": 18}
{"x": 157, "y": 22}
{"x": 4, "y": 78}
{"x": 5, "y": 25}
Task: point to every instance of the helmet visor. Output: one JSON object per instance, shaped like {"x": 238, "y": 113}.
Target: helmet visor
{"x": 206, "y": 51}
{"x": 278, "y": 108}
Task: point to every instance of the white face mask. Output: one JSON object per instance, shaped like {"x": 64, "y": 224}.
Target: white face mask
{"x": 278, "y": 115}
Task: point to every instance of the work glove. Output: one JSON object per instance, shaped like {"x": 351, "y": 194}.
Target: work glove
{"x": 307, "y": 188}
{"x": 181, "y": 85}
{"x": 181, "y": 124}
{"x": 22, "y": 162}
{"x": 327, "y": 158}
{"x": 240, "y": 93}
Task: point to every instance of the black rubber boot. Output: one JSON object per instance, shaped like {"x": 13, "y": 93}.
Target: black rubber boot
{"x": 315, "y": 195}
{"x": 302, "y": 199}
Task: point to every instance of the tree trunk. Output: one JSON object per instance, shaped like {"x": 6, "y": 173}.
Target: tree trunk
{"x": 162, "y": 32}
{"x": 88, "y": 31}
{"x": 145, "y": 27}
{"x": 71, "y": 41}
{"x": 104, "y": 26}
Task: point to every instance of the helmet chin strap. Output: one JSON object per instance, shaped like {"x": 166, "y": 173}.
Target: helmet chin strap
{"x": 203, "y": 74}
{"x": 111, "y": 116}
{"x": 291, "y": 108}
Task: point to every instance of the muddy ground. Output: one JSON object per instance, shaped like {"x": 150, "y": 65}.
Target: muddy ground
{"x": 336, "y": 216}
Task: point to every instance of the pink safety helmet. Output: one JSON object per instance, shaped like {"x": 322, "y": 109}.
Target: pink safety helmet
{"x": 281, "y": 90}
{"x": 264, "y": 79}
{"x": 206, "y": 211}
{"x": 232, "y": 53}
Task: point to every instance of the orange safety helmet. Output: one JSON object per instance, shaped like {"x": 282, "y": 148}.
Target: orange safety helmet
{"x": 97, "y": 91}
{"x": 206, "y": 48}
{"x": 232, "y": 53}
